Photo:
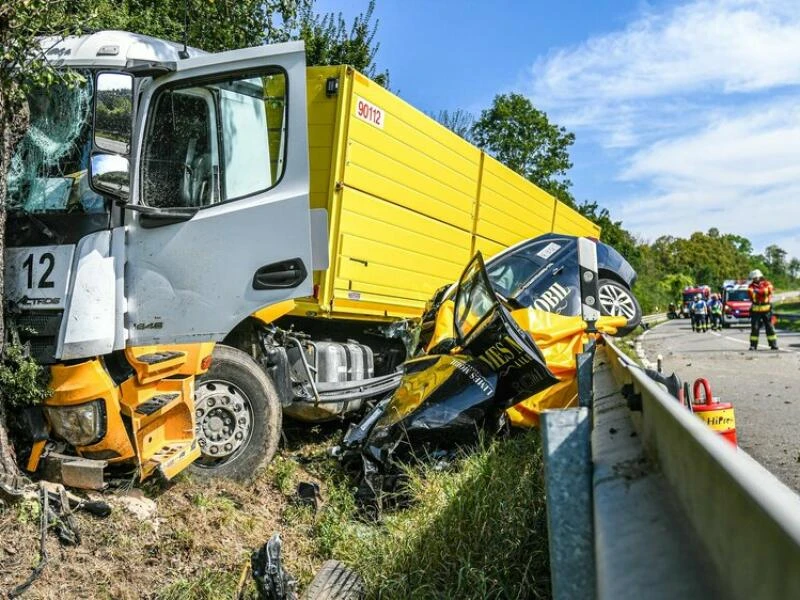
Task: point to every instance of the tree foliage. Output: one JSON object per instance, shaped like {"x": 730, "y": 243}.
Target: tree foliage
{"x": 329, "y": 41}
{"x": 209, "y": 25}
{"x": 522, "y": 137}
{"x": 458, "y": 121}
{"x": 228, "y": 24}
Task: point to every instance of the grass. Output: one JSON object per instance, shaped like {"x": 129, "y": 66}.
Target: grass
{"x": 208, "y": 584}
{"x": 476, "y": 530}
{"x": 627, "y": 345}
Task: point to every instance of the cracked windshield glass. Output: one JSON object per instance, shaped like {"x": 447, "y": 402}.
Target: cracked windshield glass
{"x": 48, "y": 171}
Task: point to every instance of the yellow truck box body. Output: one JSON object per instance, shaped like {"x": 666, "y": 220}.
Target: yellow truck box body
{"x": 408, "y": 201}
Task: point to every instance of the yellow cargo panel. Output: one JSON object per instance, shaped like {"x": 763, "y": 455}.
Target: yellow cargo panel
{"x": 389, "y": 251}
{"x": 487, "y": 247}
{"x": 322, "y": 118}
{"x": 570, "y": 221}
{"x": 408, "y": 201}
{"x": 407, "y": 158}
{"x": 511, "y": 207}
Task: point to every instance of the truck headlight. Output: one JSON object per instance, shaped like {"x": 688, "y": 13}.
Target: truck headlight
{"x": 81, "y": 424}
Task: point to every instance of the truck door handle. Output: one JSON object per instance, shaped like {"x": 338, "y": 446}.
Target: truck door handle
{"x": 280, "y": 275}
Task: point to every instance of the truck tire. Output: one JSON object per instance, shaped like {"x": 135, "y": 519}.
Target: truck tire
{"x": 335, "y": 581}
{"x": 617, "y": 300}
{"x": 238, "y": 417}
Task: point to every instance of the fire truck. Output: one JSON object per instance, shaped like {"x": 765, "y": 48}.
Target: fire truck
{"x": 735, "y": 304}
{"x": 689, "y": 294}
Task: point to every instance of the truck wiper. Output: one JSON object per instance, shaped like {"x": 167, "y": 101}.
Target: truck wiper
{"x": 43, "y": 228}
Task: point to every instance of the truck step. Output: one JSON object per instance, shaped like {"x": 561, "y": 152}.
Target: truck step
{"x": 159, "y": 357}
{"x": 154, "y": 364}
{"x": 172, "y": 459}
{"x": 159, "y": 401}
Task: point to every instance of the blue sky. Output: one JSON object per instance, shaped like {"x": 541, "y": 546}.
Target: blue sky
{"x": 686, "y": 114}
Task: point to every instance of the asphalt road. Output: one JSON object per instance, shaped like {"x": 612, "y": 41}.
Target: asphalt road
{"x": 763, "y": 386}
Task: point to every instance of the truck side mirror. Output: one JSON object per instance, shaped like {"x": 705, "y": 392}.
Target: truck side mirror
{"x": 113, "y": 112}
{"x": 110, "y": 174}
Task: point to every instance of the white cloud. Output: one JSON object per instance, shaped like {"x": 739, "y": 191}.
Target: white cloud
{"x": 728, "y": 45}
{"x": 702, "y": 101}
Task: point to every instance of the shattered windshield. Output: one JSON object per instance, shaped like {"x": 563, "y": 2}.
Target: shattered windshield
{"x": 48, "y": 172}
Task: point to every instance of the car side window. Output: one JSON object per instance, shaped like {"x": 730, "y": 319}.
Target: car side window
{"x": 216, "y": 142}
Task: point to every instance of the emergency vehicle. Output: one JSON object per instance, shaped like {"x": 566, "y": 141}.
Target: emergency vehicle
{"x": 735, "y": 305}
{"x": 688, "y": 295}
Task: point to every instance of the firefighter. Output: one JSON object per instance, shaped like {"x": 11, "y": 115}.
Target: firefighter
{"x": 699, "y": 314}
{"x": 715, "y": 309}
{"x": 760, "y": 291}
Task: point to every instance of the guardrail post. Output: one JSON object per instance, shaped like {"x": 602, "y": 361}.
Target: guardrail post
{"x": 566, "y": 435}
{"x": 585, "y": 362}
{"x": 568, "y": 476}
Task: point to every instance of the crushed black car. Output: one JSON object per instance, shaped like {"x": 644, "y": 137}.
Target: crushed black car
{"x": 444, "y": 399}
{"x": 477, "y": 361}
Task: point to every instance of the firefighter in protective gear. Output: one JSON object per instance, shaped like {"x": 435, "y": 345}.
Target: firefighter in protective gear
{"x": 760, "y": 291}
{"x": 699, "y": 310}
{"x": 715, "y": 309}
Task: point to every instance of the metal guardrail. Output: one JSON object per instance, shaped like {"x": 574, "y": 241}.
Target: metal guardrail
{"x": 673, "y": 510}
{"x": 654, "y": 318}
{"x": 788, "y": 316}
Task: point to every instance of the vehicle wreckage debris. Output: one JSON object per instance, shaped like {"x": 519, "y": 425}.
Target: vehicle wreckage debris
{"x": 308, "y": 494}
{"x": 273, "y": 582}
{"x": 334, "y": 580}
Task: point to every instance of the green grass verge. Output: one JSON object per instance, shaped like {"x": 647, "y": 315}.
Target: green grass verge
{"x": 475, "y": 530}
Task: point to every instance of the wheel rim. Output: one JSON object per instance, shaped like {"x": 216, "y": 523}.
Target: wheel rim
{"x": 224, "y": 421}
{"x": 617, "y": 302}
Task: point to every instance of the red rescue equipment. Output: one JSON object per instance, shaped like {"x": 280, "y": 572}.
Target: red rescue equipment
{"x": 717, "y": 415}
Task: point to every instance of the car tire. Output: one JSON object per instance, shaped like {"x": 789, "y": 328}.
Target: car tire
{"x": 335, "y": 581}
{"x": 238, "y": 417}
{"x": 617, "y": 300}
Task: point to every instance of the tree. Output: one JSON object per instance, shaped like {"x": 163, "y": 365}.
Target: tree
{"x": 611, "y": 232}
{"x": 523, "y": 138}
{"x": 328, "y": 41}
{"x": 775, "y": 258}
{"x": 459, "y": 122}
{"x": 793, "y": 268}
{"x": 209, "y": 25}
{"x": 23, "y": 67}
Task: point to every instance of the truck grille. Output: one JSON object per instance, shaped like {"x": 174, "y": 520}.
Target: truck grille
{"x": 40, "y": 330}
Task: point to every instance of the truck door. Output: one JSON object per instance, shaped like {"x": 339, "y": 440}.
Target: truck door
{"x": 220, "y": 221}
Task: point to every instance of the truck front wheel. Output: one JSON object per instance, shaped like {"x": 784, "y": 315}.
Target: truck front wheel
{"x": 238, "y": 417}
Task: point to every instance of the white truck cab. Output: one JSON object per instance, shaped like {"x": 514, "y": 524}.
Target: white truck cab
{"x": 158, "y": 198}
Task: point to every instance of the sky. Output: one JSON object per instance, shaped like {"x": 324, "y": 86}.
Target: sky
{"x": 686, "y": 114}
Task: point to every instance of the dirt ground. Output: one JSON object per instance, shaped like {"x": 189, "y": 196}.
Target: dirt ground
{"x": 202, "y": 534}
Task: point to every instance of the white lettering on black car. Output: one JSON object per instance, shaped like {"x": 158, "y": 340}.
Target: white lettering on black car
{"x": 553, "y": 299}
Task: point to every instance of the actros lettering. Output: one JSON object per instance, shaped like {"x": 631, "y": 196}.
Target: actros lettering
{"x": 25, "y": 301}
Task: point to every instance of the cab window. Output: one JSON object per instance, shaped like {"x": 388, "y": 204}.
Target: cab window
{"x": 215, "y": 142}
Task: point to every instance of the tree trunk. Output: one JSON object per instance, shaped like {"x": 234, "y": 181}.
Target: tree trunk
{"x": 13, "y": 123}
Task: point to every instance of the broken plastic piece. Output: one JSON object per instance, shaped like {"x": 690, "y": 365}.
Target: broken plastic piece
{"x": 273, "y": 582}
